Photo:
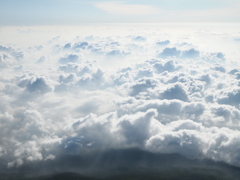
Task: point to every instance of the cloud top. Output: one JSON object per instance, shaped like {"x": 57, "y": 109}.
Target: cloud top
{"x": 148, "y": 88}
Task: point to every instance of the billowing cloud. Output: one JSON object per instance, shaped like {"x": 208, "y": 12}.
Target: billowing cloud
{"x": 90, "y": 101}
{"x": 69, "y": 58}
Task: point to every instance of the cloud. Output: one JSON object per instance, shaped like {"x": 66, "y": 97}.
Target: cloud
{"x": 11, "y": 51}
{"x": 79, "y": 103}
{"x": 35, "y": 84}
{"x": 116, "y": 53}
{"x": 122, "y": 8}
{"x": 41, "y": 59}
{"x": 231, "y": 98}
{"x": 191, "y": 53}
{"x": 166, "y": 42}
{"x": 142, "y": 85}
{"x": 174, "y": 52}
{"x": 175, "y": 91}
{"x": 169, "y": 52}
{"x": 169, "y": 66}
{"x": 69, "y": 58}
{"x": 80, "y": 45}
{"x": 9, "y": 56}
{"x": 139, "y": 38}
{"x": 67, "y": 46}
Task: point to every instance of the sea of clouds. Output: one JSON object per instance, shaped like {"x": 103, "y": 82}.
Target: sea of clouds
{"x": 159, "y": 88}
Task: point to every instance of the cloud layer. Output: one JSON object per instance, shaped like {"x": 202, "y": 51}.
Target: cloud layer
{"x": 96, "y": 93}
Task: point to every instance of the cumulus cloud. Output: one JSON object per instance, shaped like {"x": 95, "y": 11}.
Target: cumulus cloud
{"x": 35, "y": 84}
{"x": 166, "y": 42}
{"x": 174, "y": 52}
{"x": 117, "y": 53}
{"x": 169, "y": 52}
{"x": 81, "y": 45}
{"x": 69, "y": 58}
{"x": 74, "y": 98}
{"x": 167, "y": 66}
{"x": 12, "y": 51}
{"x": 232, "y": 97}
{"x": 175, "y": 91}
{"x": 139, "y": 38}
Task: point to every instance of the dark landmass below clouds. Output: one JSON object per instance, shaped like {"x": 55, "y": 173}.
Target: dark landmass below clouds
{"x": 123, "y": 164}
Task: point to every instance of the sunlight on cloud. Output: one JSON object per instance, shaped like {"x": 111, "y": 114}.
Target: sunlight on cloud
{"x": 90, "y": 91}
{"x": 122, "y": 8}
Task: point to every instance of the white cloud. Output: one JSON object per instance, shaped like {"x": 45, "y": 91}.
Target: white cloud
{"x": 76, "y": 102}
{"x": 122, "y": 8}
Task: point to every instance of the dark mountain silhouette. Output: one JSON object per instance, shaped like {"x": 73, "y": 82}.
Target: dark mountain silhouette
{"x": 125, "y": 164}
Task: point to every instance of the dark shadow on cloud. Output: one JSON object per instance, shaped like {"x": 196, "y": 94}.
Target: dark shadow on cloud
{"x": 89, "y": 107}
{"x": 41, "y": 60}
{"x": 237, "y": 75}
{"x": 207, "y": 79}
{"x": 94, "y": 81}
{"x": 36, "y": 84}
{"x": 4, "y": 60}
{"x": 90, "y": 38}
{"x": 123, "y": 76}
{"x": 138, "y": 132}
{"x": 163, "y": 43}
{"x": 67, "y": 46}
{"x": 116, "y": 53}
{"x": 81, "y": 45}
{"x": 168, "y": 110}
{"x": 209, "y": 98}
{"x": 96, "y": 50}
{"x": 61, "y": 88}
{"x": 17, "y": 54}
{"x": 179, "y": 77}
{"x": 173, "y": 110}
{"x": 174, "y": 52}
{"x": 220, "y": 69}
{"x": 194, "y": 109}
{"x": 233, "y": 71}
{"x": 39, "y": 47}
{"x": 115, "y": 43}
{"x": 169, "y": 66}
{"x": 220, "y": 55}
{"x": 222, "y": 110}
{"x": 139, "y": 39}
{"x": 191, "y": 53}
{"x": 67, "y": 79}
{"x": 40, "y": 85}
{"x": 73, "y": 58}
{"x": 230, "y": 98}
{"x": 74, "y": 68}
{"x": 176, "y": 91}
{"x": 142, "y": 85}
{"x": 169, "y": 52}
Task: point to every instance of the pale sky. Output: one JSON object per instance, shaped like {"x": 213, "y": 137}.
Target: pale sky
{"x": 74, "y": 12}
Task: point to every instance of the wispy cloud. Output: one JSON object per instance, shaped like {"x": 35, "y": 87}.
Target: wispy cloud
{"x": 217, "y": 14}
{"x": 122, "y": 8}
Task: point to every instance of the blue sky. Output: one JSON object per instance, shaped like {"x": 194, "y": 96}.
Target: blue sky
{"x": 73, "y": 12}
